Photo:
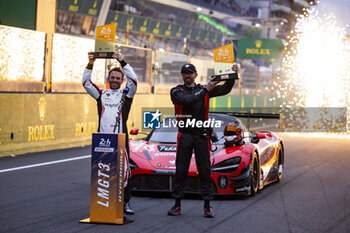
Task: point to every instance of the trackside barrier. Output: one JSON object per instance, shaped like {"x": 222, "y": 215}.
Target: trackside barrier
{"x": 107, "y": 179}
{"x": 35, "y": 122}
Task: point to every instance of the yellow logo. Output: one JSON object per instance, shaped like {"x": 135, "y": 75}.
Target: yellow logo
{"x": 85, "y": 128}
{"x": 224, "y": 54}
{"x": 258, "y": 50}
{"x": 42, "y": 107}
{"x": 41, "y": 132}
{"x": 258, "y": 43}
{"x": 106, "y": 32}
{"x": 74, "y": 7}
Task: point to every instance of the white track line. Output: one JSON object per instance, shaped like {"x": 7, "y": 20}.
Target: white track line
{"x": 44, "y": 164}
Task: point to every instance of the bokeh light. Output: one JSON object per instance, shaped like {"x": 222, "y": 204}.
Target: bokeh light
{"x": 21, "y": 54}
{"x": 69, "y": 58}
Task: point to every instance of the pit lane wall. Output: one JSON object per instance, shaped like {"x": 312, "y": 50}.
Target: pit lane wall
{"x": 40, "y": 122}
{"x": 35, "y": 122}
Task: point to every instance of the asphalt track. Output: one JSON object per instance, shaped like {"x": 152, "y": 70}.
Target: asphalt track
{"x": 313, "y": 196}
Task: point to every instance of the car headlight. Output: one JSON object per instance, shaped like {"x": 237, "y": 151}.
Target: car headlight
{"x": 227, "y": 166}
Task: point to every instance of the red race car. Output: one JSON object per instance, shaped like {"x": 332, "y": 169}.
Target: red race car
{"x": 242, "y": 161}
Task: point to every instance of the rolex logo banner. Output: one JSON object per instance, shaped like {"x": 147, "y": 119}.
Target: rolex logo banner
{"x": 107, "y": 178}
{"x": 259, "y": 49}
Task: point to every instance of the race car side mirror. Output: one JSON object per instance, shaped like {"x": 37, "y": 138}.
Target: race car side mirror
{"x": 134, "y": 131}
{"x": 256, "y": 137}
{"x": 261, "y": 135}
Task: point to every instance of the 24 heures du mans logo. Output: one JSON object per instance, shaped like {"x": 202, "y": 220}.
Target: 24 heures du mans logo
{"x": 104, "y": 146}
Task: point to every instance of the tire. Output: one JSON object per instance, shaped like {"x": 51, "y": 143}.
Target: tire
{"x": 280, "y": 165}
{"x": 254, "y": 175}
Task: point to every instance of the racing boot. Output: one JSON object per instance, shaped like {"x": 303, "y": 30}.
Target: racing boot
{"x": 175, "y": 211}
{"x": 208, "y": 212}
{"x": 127, "y": 208}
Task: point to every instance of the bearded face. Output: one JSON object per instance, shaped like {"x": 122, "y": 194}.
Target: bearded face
{"x": 115, "y": 80}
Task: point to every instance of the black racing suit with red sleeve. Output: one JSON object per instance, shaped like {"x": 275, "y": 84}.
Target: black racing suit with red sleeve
{"x": 108, "y": 105}
{"x": 192, "y": 104}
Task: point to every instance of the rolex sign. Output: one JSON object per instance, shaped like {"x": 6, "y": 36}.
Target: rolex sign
{"x": 258, "y": 49}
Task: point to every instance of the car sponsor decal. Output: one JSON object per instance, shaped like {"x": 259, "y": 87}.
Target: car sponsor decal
{"x": 147, "y": 155}
{"x": 171, "y": 164}
{"x": 167, "y": 148}
{"x": 159, "y": 154}
{"x": 141, "y": 146}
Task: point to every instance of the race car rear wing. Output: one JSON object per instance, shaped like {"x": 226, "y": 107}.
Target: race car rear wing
{"x": 251, "y": 115}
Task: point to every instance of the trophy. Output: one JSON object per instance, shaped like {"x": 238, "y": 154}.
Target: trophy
{"x": 104, "y": 42}
{"x": 223, "y": 61}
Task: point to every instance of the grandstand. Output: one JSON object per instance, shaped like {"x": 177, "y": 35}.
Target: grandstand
{"x": 50, "y": 46}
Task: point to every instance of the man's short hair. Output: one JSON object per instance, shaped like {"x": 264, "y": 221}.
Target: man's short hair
{"x": 118, "y": 69}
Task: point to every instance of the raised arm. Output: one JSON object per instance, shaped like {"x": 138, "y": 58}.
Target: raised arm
{"x": 222, "y": 89}
{"x": 89, "y": 86}
{"x": 130, "y": 74}
{"x": 226, "y": 87}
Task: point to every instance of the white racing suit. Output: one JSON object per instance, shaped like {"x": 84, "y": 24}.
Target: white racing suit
{"x": 108, "y": 104}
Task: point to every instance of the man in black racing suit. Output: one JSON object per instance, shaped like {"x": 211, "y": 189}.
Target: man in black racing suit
{"x": 191, "y": 103}
{"x": 110, "y": 107}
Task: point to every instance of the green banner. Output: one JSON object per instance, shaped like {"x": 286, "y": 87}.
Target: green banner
{"x": 85, "y": 7}
{"x": 18, "y": 13}
{"x": 216, "y": 25}
{"x": 259, "y": 49}
{"x": 161, "y": 28}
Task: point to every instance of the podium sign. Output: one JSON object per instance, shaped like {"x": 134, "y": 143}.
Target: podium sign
{"x": 223, "y": 61}
{"x": 104, "y": 41}
{"x": 107, "y": 178}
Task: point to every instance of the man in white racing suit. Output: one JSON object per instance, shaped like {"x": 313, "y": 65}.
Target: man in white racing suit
{"x": 114, "y": 106}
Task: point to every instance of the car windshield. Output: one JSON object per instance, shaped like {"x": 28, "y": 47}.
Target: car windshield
{"x": 167, "y": 133}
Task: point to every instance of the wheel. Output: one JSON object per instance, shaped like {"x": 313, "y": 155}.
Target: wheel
{"x": 254, "y": 175}
{"x": 280, "y": 164}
